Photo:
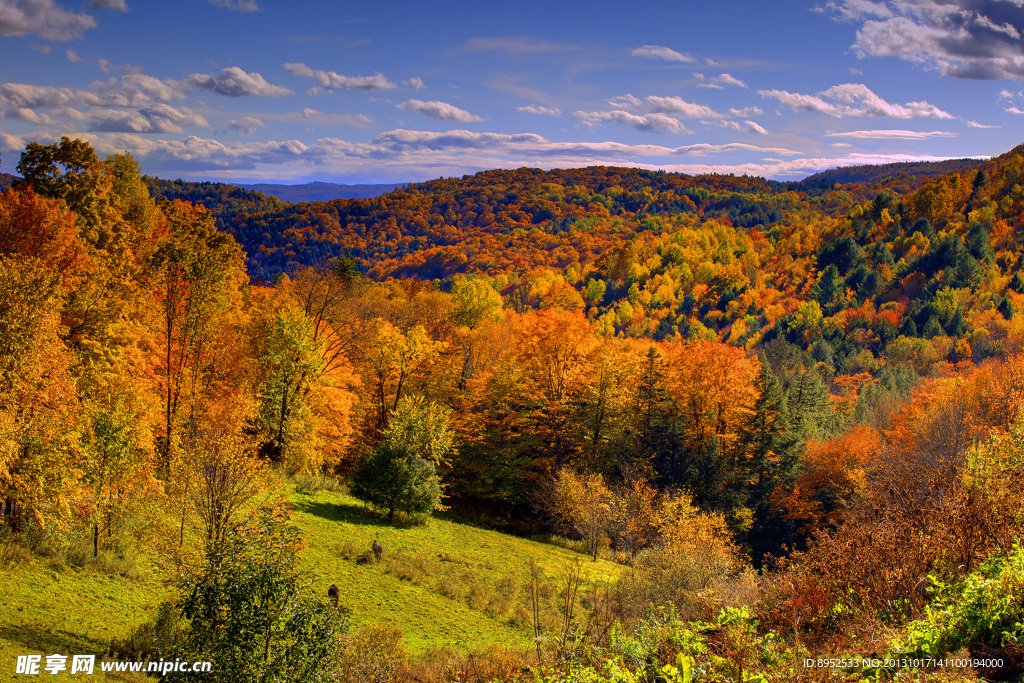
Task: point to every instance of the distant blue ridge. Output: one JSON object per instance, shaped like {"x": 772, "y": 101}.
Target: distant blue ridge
{"x": 320, "y": 191}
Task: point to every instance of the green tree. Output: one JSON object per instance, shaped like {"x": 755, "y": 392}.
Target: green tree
{"x": 289, "y": 364}
{"x": 475, "y": 300}
{"x": 245, "y": 612}
{"x": 111, "y": 444}
{"x": 67, "y": 170}
{"x": 770, "y": 454}
{"x": 423, "y": 427}
{"x": 828, "y": 289}
{"x": 394, "y": 478}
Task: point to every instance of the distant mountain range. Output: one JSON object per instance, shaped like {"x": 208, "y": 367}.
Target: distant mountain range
{"x": 321, "y": 192}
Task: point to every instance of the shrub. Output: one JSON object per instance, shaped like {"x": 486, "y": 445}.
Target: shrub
{"x": 243, "y": 610}
{"x": 394, "y": 478}
{"x": 373, "y": 654}
{"x": 983, "y": 613}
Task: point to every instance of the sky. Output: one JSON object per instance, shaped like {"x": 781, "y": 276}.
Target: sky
{"x": 269, "y": 91}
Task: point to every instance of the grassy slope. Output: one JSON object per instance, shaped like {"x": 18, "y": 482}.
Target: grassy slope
{"x": 48, "y": 611}
{"x": 443, "y": 584}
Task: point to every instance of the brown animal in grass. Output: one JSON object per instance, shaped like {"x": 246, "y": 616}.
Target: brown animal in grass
{"x": 378, "y": 550}
{"x": 332, "y": 593}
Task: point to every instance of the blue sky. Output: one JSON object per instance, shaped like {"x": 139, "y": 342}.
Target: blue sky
{"x": 260, "y": 90}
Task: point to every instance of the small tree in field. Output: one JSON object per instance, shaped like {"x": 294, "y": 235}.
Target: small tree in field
{"x": 582, "y": 504}
{"x": 392, "y": 478}
{"x": 244, "y": 610}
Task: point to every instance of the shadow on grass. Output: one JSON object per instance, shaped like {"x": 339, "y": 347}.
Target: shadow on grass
{"x": 52, "y": 640}
{"x": 350, "y": 513}
{"x": 353, "y": 513}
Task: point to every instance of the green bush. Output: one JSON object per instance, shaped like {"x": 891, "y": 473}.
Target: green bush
{"x": 245, "y": 612}
{"x": 393, "y": 478}
{"x": 983, "y": 612}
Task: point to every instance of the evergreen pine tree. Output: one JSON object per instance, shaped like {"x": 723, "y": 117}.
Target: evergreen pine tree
{"x": 770, "y": 451}
{"x": 1006, "y": 308}
{"x": 1017, "y": 283}
{"x": 828, "y": 288}
{"x": 977, "y": 242}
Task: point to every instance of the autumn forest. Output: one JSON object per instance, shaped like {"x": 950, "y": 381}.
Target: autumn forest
{"x": 790, "y": 410}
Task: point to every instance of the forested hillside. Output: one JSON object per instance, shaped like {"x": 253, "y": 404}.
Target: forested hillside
{"x": 700, "y": 377}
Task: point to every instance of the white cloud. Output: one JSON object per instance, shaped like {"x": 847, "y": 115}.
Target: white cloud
{"x": 154, "y": 87}
{"x": 166, "y": 119}
{"x": 247, "y": 125}
{"x": 680, "y": 107}
{"x": 854, "y": 10}
{"x": 29, "y": 115}
{"x": 648, "y": 123}
{"x": 756, "y": 128}
{"x": 414, "y": 154}
{"x": 662, "y": 52}
{"x": 44, "y": 18}
{"x": 319, "y": 118}
{"x": 721, "y": 81}
{"x": 442, "y": 111}
{"x": 854, "y": 99}
{"x": 158, "y": 118}
{"x": 335, "y": 81}
{"x": 234, "y": 82}
{"x": 416, "y": 83}
{"x": 514, "y": 45}
{"x": 727, "y": 79}
{"x": 237, "y": 5}
{"x": 893, "y": 134}
{"x": 703, "y": 149}
{"x": 873, "y": 105}
{"x": 975, "y": 124}
{"x": 41, "y": 47}
{"x": 1014, "y": 110}
{"x": 746, "y": 111}
{"x": 72, "y": 56}
{"x": 656, "y": 114}
{"x": 42, "y": 96}
{"x": 537, "y": 109}
{"x": 960, "y": 38}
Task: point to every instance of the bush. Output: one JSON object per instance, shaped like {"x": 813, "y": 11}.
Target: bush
{"x": 373, "y": 654}
{"x": 695, "y": 562}
{"x": 394, "y": 478}
{"x": 983, "y": 613}
{"x": 244, "y": 611}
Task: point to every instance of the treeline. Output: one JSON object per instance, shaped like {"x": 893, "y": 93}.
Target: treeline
{"x": 507, "y": 220}
{"x": 914, "y": 173}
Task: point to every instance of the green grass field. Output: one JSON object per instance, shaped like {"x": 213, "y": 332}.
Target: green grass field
{"x": 443, "y": 584}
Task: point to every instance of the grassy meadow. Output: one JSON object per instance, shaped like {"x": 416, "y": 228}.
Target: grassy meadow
{"x": 443, "y": 584}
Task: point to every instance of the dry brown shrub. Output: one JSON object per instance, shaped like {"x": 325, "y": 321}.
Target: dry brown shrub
{"x": 373, "y": 654}
{"x": 494, "y": 664}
